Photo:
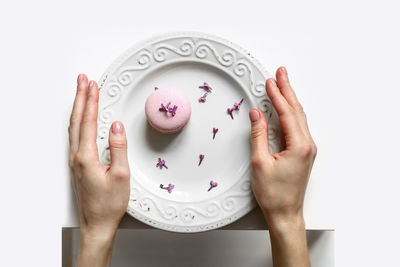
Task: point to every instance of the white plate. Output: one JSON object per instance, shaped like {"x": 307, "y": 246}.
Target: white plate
{"x": 185, "y": 61}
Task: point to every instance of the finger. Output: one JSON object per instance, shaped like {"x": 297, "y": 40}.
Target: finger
{"x": 77, "y": 112}
{"x": 259, "y": 134}
{"x": 279, "y": 102}
{"x": 88, "y": 131}
{"x": 304, "y": 124}
{"x": 118, "y": 150}
{"x": 287, "y": 118}
{"x": 282, "y": 80}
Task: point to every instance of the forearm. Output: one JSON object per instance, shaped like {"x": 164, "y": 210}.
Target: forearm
{"x": 288, "y": 242}
{"x": 95, "y": 248}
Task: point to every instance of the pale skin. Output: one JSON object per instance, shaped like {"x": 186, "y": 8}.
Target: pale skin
{"x": 102, "y": 192}
{"x": 279, "y": 180}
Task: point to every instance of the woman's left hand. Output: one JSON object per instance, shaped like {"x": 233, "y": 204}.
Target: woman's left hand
{"x": 102, "y": 192}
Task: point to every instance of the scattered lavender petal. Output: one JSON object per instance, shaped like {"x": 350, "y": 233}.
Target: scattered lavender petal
{"x": 237, "y": 105}
{"x": 201, "y": 158}
{"x": 161, "y": 164}
{"x": 212, "y": 185}
{"x": 215, "y": 131}
{"x": 230, "y": 110}
{"x": 156, "y": 88}
{"x": 168, "y": 188}
{"x": 173, "y": 110}
{"x": 206, "y": 87}
{"x": 203, "y": 98}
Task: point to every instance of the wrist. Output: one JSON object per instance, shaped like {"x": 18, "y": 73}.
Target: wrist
{"x": 97, "y": 235}
{"x": 95, "y": 246}
{"x": 285, "y": 223}
{"x": 288, "y": 239}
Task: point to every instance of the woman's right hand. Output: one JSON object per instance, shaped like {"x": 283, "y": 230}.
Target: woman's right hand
{"x": 279, "y": 180}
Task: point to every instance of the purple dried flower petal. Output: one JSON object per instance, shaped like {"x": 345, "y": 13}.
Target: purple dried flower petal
{"x": 156, "y": 88}
{"x": 167, "y": 109}
{"x": 212, "y": 185}
{"x": 203, "y": 98}
{"x": 201, "y": 158}
{"x": 161, "y": 164}
{"x": 162, "y": 108}
{"x": 168, "y": 188}
{"x": 173, "y": 110}
{"x": 215, "y": 131}
{"x": 230, "y": 110}
{"x": 237, "y": 105}
{"x": 206, "y": 87}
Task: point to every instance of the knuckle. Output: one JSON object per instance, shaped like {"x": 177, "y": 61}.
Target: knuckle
{"x": 118, "y": 144}
{"x": 74, "y": 119}
{"x": 306, "y": 149}
{"x": 258, "y": 131}
{"x": 257, "y": 161}
{"x": 88, "y": 118}
{"x": 121, "y": 173}
{"x": 314, "y": 149}
{"x": 80, "y": 159}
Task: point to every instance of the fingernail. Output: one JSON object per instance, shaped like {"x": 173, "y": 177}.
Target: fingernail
{"x": 117, "y": 128}
{"x": 80, "y": 78}
{"x": 254, "y": 115}
{"x": 273, "y": 82}
{"x": 91, "y": 85}
{"x": 284, "y": 70}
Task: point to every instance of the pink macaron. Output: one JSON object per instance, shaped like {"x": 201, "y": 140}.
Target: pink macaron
{"x": 168, "y": 110}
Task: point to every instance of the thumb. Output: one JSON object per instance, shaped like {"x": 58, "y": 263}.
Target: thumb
{"x": 118, "y": 146}
{"x": 259, "y": 133}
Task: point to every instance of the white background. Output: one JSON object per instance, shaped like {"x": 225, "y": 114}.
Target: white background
{"x": 343, "y": 60}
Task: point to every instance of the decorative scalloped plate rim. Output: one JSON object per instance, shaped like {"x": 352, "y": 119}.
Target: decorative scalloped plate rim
{"x": 136, "y": 48}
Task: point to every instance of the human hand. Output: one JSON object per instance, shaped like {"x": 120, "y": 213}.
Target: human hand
{"x": 279, "y": 180}
{"x": 102, "y": 192}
